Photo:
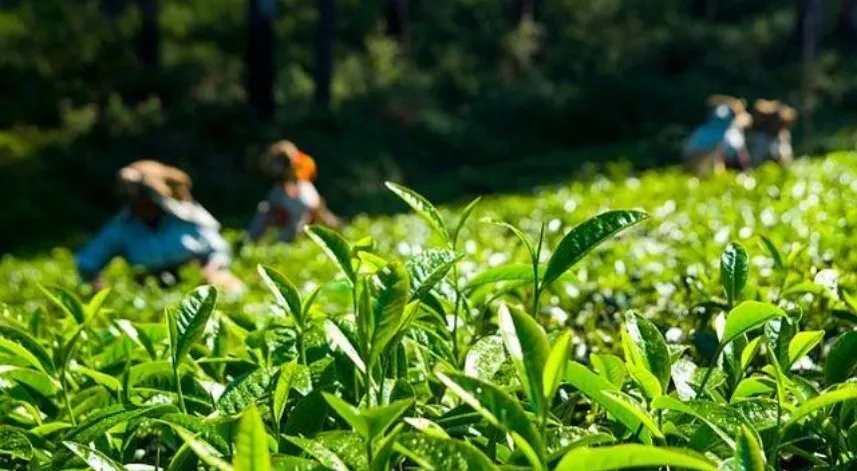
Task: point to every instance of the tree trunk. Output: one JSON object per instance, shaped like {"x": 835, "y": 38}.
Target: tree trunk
{"x": 113, "y": 8}
{"x": 706, "y": 9}
{"x": 149, "y": 48}
{"x": 846, "y": 24}
{"x": 324, "y": 37}
{"x": 809, "y": 22}
{"x": 396, "y": 15}
{"x": 260, "y": 58}
{"x": 524, "y": 11}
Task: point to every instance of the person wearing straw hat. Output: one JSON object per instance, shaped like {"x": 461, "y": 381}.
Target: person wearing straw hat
{"x": 293, "y": 202}
{"x": 160, "y": 228}
{"x": 720, "y": 141}
{"x": 770, "y": 136}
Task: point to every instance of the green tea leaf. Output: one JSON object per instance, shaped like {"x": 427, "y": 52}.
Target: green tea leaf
{"x": 485, "y": 358}
{"x": 337, "y": 338}
{"x": 32, "y": 345}
{"x": 629, "y": 456}
{"x": 497, "y": 407}
{"x": 244, "y": 391}
{"x": 285, "y": 292}
{"x": 349, "y": 413}
{"x": 620, "y": 400}
{"x": 251, "y": 443}
{"x": 734, "y": 270}
{"x": 465, "y": 215}
{"x": 528, "y": 244}
{"x": 109, "y": 382}
{"x": 648, "y": 349}
{"x": 610, "y": 367}
{"x": 521, "y": 272}
{"x": 103, "y": 420}
{"x": 422, "y": 207}
{"x": 427, "y": 269}
{"x": 442, "y": 454}
{"x": 204, "y": 450}
{"x": 585, "y": 237}
{"x": 389, "y": 307}
{"x": 725, "y": 421}
{"x": 17, "y": 351}
{"x": 96, "y": 302}
{"x": 748, "y": 452}
{"x": 293, "y": 463}
{"x": 319, "y": 452}
{"x": 335, "y": 247}
{"x": 204, "y": 428}
{"x": 842, "y": 359}
{"x": 596, "y": 388}
{"x": 40, "y": 382}
{"x": 748, "y": 316}
{"x": 529, "y": 349}
{"x": 648, "y": 383}
{"x": 775, "y": 254}
{"x": 554, "y": 371}
{"x": 379, "y": 419}
{"x": 66, "y": 301}
{"x": 281, "y": 391}
{"x": 802, "y": 343}
{"x": 94, "y": 458}
{"x": 15, "y": 443}
{"x": 829, "y": 398}
{"x": 190, "y": 319}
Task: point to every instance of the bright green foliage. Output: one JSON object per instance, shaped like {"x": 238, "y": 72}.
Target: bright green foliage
{"x": 409, "y": 342}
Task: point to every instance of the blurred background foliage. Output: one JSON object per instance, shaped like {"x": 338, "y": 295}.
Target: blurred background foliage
{"x": 451, "y": 97}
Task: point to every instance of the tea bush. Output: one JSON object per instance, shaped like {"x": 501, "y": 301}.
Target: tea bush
{"x": 649, "y": 321}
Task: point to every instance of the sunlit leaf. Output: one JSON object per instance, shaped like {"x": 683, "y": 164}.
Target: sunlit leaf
{"x": 529, "y": 349}
{"x": 734, "y": 270}
{"x": 94, "y": 458}
{"x": 190, "y": 319}
{"x": 648, "y": 347}
{"x": 285, "y": 292}
{"x": 251, "y": 443}
{"x": 585, "y": 237}
{"x": 336, "y": 248}
{"x": 443, "y": 454}
{"x": 747, "y": 316}
{"x": 422, "y": 207}
{"x": 496, "y": 406}
{"x": 842, "y": 359}
{"x": 629, "y": 456}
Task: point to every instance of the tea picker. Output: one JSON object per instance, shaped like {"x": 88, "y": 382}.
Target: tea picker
{"x": 159, "y": 229}
{"x": 293, "y": 200}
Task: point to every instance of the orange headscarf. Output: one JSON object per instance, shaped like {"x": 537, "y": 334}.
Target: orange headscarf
{"x": 284, "y": 155}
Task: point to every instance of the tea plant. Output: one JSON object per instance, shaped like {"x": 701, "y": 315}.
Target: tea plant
{"x": 490, "y": 340}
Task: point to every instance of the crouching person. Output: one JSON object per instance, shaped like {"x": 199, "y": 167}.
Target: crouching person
{"x": 720, "y": 141}
{"x": 159, "y": 229}
{"x": 293, "y": 201}
{"x": 771, "y": 137}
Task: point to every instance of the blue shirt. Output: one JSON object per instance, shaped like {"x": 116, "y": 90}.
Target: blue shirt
{"x": 173, "y": 242}
{"x": 718, "y": 130}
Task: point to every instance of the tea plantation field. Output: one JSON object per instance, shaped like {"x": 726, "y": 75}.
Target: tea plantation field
{"x": 652, "y": 321}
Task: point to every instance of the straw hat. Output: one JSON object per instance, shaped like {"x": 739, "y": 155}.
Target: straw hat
{"x": 283, "y": 159}
{"x": 167, "y": 187}
{"x": 774, "y": 115}
{"x": 737, "y": 106}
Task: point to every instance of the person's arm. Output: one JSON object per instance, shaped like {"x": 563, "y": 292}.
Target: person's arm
{"x": 216, "y": 270}
{"x": 95, "y": 255}
{"x": 325, "y": 216}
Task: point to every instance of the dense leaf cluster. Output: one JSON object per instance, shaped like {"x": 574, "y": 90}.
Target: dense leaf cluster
{"x": 708, "y": 326}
